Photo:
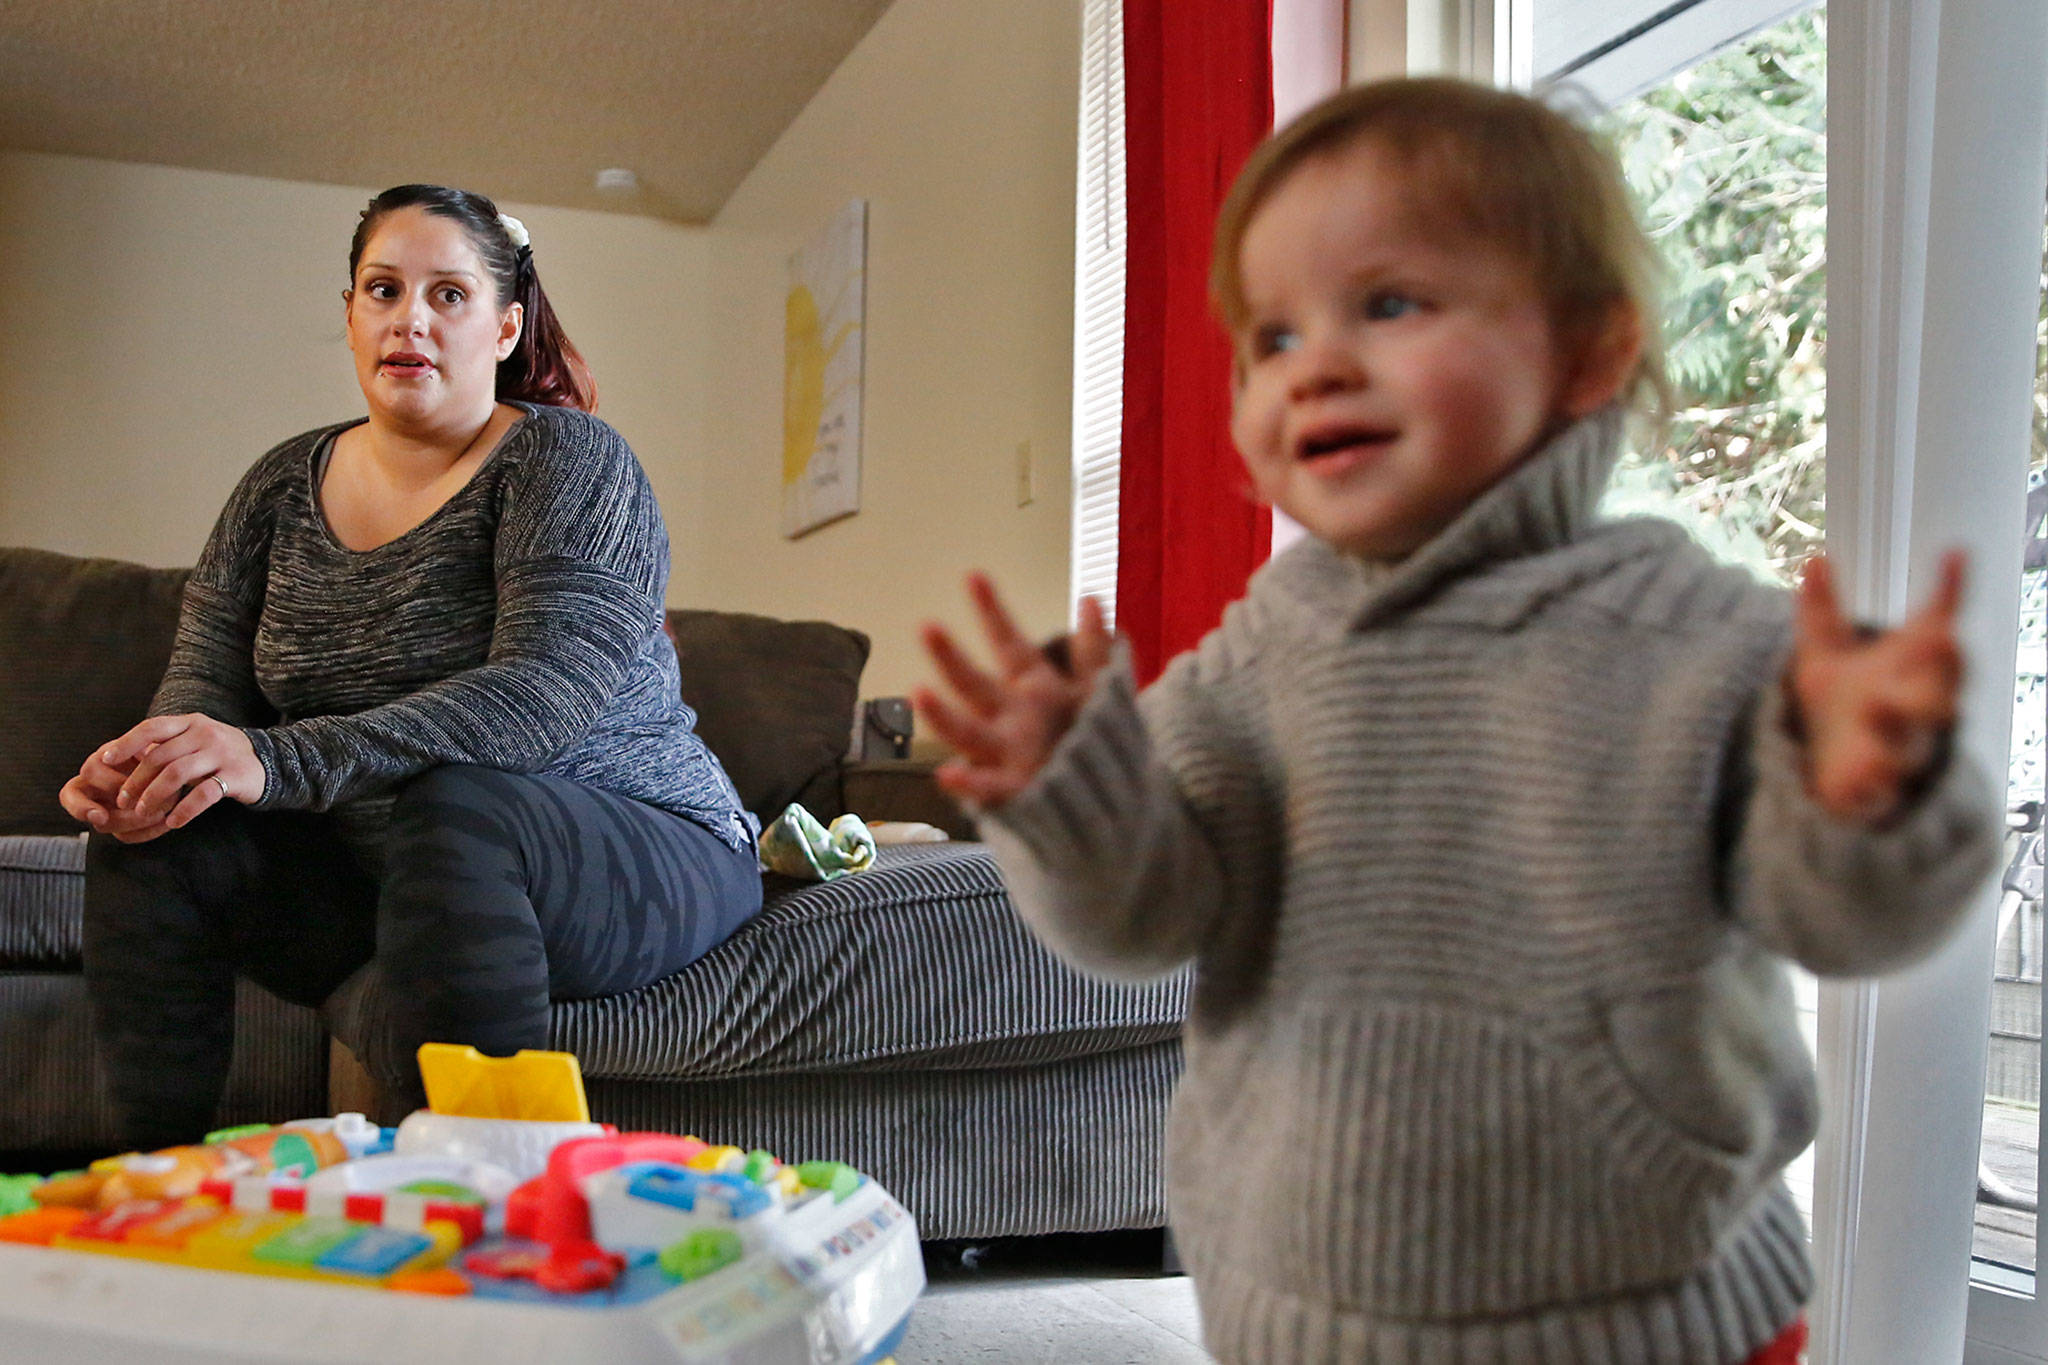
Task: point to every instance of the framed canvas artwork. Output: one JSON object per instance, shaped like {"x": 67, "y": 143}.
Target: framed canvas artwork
{"x": 823, "y": 325}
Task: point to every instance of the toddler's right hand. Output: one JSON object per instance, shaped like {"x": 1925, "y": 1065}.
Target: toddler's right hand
{"x": 1004, "y": 725}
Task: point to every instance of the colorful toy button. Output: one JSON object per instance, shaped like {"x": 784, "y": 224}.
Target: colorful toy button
{"x": 38, "y": 1227}
{"x": 702, "y": 1252}
{"x": 718, "y": 1159}
{"x": 667, "y": 1185}
{"x": 441, "y": 1189}
{"x": 836, "y": 1176}
{"x": 375, "y": 1253}
{"x": 15, "y": 1193}
{"x": 578, "y": 1267}
{"x": 732, "y": 1193}
{"x": 114, "y": 1224}
{"x": 228, "y": 1243}
{"x": 743, "y": 1198}
{"x": 441, "y": 1280}
{"x": 305, "y": 1241}
{"x": 293, "y": 1154}
{"x": 506, "y": 1263}
{"x": 178, "y": 1226}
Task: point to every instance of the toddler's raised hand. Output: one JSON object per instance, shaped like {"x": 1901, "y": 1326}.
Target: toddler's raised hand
{"x": 1003, "y": 724}
{"x": 1872, "y": 706}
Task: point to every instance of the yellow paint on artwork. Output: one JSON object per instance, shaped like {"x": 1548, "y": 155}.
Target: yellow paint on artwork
{"x": 805, "y": 356}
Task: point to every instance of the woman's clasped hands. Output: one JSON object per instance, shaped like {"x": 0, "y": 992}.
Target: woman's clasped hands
{"x": 161, "y": 775}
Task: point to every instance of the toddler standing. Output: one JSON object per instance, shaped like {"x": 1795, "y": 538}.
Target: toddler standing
{"x": 1488, "y": 825}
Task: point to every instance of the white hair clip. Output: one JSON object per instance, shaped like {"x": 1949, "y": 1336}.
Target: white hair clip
{"x": 514, "y": 229}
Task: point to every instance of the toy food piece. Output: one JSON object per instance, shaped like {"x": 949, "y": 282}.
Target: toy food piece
{"x": 171, "y": 1173}
{"x": 293, "y": 1149}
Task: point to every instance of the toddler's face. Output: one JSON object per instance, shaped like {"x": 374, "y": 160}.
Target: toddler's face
{"x": 1388, "y": 371}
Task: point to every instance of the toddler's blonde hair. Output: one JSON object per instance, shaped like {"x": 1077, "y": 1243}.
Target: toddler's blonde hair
{"x": 1501, "y": 168}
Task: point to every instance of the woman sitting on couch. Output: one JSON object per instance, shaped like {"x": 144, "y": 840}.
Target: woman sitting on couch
{"x": 420, "y": 708}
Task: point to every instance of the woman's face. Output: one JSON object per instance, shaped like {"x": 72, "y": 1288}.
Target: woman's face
{"x": 424, "y": 323}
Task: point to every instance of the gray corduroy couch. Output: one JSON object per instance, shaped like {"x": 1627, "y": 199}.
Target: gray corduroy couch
{"x": 900, "y": 1019}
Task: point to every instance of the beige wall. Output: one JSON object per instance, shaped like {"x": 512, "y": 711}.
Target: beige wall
{"x": 161, "y": 328}
{"x": 955, "y": 119}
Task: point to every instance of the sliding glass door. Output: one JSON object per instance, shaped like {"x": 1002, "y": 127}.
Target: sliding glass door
{"x": 1857, "y": 258}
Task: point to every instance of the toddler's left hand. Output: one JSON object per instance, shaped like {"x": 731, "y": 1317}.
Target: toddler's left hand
{"x": 1872, "y": 707}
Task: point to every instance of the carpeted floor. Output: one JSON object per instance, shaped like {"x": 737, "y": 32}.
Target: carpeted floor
{"x": 1054, "y": 1301}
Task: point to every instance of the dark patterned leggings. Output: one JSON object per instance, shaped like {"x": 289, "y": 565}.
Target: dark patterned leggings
{"x": 500, "y": 892}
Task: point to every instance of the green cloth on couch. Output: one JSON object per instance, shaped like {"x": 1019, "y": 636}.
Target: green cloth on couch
{"x": 797, "y": 845}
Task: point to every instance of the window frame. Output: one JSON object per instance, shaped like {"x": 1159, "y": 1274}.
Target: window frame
{"x": 1634, "y": 56}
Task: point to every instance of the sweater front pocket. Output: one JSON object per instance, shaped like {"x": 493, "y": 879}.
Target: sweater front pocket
{"x": 1719, "y": 1058}
{"x": 1423, "y": 1162}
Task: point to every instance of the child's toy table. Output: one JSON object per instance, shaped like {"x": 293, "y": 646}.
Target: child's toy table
{"x": 60, "y": 1308}
{"x": 457, "y": 1237}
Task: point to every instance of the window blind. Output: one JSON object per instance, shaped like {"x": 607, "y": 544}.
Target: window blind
{"x": 1098, "y": 309}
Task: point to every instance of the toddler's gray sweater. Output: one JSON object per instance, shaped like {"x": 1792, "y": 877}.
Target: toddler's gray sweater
{"x": 1488, "y": 863}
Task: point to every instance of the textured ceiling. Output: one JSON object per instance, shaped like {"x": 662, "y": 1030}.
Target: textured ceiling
{"x": 522, "y": 99}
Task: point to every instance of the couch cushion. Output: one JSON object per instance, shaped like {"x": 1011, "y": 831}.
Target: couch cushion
{"x": 42, "y": 902}
{"x": 775, "y": 701}
{"x": 1073, "y": 1146}
{"x": 917, "y": 964}
{"x": 85, "y": 642}
{"x": 50, "y": 1072}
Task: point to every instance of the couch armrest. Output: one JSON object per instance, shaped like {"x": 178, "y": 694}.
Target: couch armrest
{"x": 902, "y": 789}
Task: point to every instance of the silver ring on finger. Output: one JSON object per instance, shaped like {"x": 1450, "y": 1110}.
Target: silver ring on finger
{"x": 215, "y": 779}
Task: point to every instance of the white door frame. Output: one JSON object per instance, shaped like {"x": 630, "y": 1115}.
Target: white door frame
{"x": 1938, "y": 164}
{"x": 1485, "y": 40}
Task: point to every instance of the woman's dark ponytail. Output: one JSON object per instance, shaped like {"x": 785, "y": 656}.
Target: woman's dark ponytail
{"x": 544, "y": 366}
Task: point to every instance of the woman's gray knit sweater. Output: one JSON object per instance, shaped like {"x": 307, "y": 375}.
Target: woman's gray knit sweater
{"x": 1488, "y": 863}
{"x": 518, "y": 627}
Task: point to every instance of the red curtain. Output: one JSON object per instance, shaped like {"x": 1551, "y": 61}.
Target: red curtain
{"x": 1198, "y": 91}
